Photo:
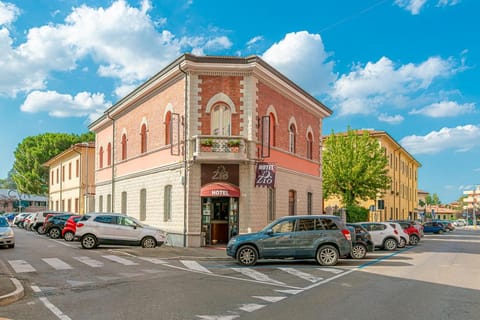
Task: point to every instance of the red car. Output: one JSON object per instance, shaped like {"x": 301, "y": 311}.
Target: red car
{"x": 413, "y": 232}
{"x": 68, "y": 231}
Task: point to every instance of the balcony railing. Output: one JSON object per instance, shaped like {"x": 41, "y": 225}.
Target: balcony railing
{"x": 220, "y": 148}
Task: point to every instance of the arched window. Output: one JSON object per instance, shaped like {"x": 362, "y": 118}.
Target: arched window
{"x": 168, "y": 128}
{"x": 221, "y": 120}
{"x": 109, "y": 154}
{"x": 291, "y": 138}
{"x": 100, "y": 158}
{"x": 124, "y": 146}
{"x": 143, "y": 135}
{"x": 273, "y": 130}
{"x": 309, "y": 146}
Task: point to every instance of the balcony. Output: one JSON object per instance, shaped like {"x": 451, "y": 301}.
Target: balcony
{"x": 215, "y": 148}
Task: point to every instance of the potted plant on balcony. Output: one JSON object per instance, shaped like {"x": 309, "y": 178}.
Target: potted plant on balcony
{"x": 234, "y": 145}
{"x": 206, "y": 144}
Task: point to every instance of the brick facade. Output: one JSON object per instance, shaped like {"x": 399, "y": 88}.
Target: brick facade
{"x": 198, "y": 89}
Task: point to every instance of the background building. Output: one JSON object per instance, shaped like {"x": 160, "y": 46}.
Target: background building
{"x": 210, "y": 147}
{"x": 12, "y": 201}
{"x": 400, "y": 201}
{"x": 72, "y": 179}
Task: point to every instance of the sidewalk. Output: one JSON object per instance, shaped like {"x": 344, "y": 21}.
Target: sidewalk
{"x": 12, "y": 290}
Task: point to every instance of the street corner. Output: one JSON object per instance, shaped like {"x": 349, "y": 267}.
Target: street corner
{"x": 12, "y": 291}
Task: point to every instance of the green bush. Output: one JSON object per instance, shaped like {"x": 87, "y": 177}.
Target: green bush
{"x": 357, "y": 214}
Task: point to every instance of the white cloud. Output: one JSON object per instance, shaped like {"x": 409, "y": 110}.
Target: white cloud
{"x": 460, "y": 139}
{"x": 379, "y": 84}
{"x": 396, "y": 119}
{"x": 415, "y": 6}
{"x": 8, "y": 13}
{"x": 445, "y": 109}
{"x": 122, "y": 40}
{"x": 301, "y": 56}
{"x": 254, "y": 40}
{"x": 64, "y": 105}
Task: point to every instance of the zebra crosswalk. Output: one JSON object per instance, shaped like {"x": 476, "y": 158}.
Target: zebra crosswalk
{"x": 293, "y": 277}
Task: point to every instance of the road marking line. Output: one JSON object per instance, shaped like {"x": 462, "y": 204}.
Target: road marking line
{"x": 301, "y": 274}
{"x": 21, "y": 266}
{"x": 153, "y": 260}
{"x": 334, "y": 271}
{"x": 218, "y": 317}
{"x": 256, "y": 275}
{"x": 57, "y": 312}
{"x": 194, "y": 265}
{"x": 57, "y": 264}
{"x": 89, "y": 261}
{"x": 251, "y": 307}
{"x": 269, "y": 298}
{"x": 290, "y": 291}
{"x": 120, "y": 260}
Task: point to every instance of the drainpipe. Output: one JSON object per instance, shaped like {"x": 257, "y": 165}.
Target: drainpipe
{"x": 185, "y": 149}
{"x": 80, "y": 177}
{"x": 113, "y": 162}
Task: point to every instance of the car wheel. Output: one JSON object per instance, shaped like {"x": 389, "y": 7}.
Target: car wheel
{"x": 327, "y": 255}
{"x": 149, "y": 242}
{"x": 247, "y": 255}
{"x": 68, "y": 236}
{"x": 402, "y": 243}
{"x": 41, "y": 230}
{"x": 55, "y": 233}
{"x": 89, "y": 241}
{"x": 390, "y": 244}
{"x": 414, "y": 239}
{"x": 359, "y": 251}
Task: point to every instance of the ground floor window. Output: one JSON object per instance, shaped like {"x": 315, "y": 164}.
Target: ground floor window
{"x": 271, "y": 204}
{"x": 292, "y": 202}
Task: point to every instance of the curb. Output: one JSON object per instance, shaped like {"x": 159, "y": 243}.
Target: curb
{"x": 13, "y": 296}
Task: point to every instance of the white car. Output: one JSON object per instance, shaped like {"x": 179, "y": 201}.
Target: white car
{"x": 94, "y": 229}
{"x": 404, "y": 237}
{"x": 383, "y": 234}
{"x": 7, "y": 237}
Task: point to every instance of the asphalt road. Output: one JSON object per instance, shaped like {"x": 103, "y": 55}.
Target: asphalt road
{"x": 438, "y": 279}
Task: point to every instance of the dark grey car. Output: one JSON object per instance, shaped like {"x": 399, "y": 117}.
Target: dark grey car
{"x": 323, "y": 238}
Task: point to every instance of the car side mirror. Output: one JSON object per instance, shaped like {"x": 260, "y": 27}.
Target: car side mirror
{"x": 269, "y": 232}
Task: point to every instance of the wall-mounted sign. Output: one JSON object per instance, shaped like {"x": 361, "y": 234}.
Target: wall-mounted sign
{"x": 265, "y": 175}
{"x": 220, "y": 173}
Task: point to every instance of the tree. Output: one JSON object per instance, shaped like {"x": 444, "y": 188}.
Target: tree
{"x": 8, "y": 183}
{"x": 432, "y": 199}
{"x": 28, "y": 173}
{"x": 354, "y": 167}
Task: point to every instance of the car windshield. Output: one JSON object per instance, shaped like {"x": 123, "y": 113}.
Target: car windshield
{"x": 3, "y": 222}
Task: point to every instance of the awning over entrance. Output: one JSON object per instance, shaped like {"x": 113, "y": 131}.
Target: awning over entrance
{"x": 220, "y": 189}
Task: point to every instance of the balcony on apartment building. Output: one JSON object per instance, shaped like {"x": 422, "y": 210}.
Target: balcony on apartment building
{"x": 216, "y": 148}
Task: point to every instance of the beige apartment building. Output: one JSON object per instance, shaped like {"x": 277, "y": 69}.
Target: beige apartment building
{"x": 400, "y": 201}
{"x": 72, "y": 179}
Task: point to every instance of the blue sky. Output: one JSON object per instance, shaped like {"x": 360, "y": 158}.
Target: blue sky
{"x": 407, "y": 67}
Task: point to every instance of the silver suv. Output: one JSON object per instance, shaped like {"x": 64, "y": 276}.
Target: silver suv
{"x": 94, "y": 229}
{"x": 323, "y": 238}
{"x": 383, "y": 234}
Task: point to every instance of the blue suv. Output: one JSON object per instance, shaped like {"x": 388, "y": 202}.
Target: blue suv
{"x": 323, "y": 238}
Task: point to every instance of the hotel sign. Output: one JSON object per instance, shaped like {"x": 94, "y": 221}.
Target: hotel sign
{"x": 265, "y": 175}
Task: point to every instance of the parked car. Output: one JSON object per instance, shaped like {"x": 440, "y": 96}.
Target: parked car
{"x": 27, "y": 223}
{"x": 433, "y": 227}
{"x": 10, "y": 216}
{"x": 18, "y": 221}
{"x": 94, "y": 229}
{"x": 55, "y": 223}
{"x": 448, "y": 224}
{"x": 361, "y": 243}
{"x": 68, "y": 231}
{"x": 7, "y": 237}
{"x": 460, "y": 223}
{"x": 384, "y": 236}
{"x": 410, "y": 228}
{"x": 41, "y": 217}
{"x": 404, "y": 237}
{"x": 323, "y": 238}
